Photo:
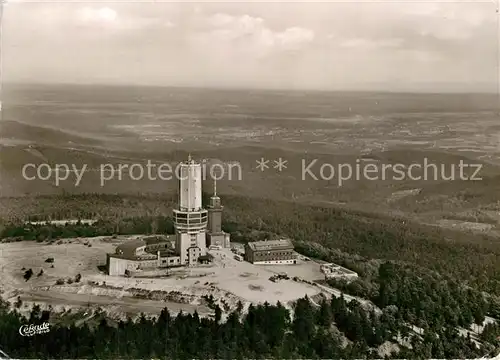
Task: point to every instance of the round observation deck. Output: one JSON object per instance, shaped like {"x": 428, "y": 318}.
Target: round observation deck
{"x": 190, "y": 220}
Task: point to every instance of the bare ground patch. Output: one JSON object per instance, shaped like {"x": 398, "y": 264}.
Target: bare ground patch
{"x": 228, "y": 281}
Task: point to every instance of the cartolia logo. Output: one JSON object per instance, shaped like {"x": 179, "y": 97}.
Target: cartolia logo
{"x": 30, "y": 330}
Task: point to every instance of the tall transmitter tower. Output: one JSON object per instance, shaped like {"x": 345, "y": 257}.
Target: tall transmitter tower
{"x": 190, "y": 219}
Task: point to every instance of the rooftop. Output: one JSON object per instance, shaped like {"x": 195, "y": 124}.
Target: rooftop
{"x": 156, "y": 239}
{"x": 271, "y": 245}
{"x": 189, "y": 161}
{"x": 128, "y": 248}
{"x": 146, "y": 256}
{"x": 207, "y": 257}
{"x": 167, "y": 252}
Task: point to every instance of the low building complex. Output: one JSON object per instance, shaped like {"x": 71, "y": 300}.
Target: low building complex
{"x": 334, "y": 271}
{"x": 140, "y": 254}
{"x": 270, "y": 252}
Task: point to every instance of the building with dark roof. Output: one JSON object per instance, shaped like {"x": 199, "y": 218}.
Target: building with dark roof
{"x": 131, "y": 249}
{"x": 270, "y": 252}
{"x": 143, "y": 253}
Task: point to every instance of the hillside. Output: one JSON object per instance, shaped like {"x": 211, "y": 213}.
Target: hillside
{"x": 423, "y": 200}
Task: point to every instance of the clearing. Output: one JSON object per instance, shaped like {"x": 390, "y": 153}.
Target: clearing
{"x": 225, "y": 282}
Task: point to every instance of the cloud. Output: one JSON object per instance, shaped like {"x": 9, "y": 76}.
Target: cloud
{"x": 104, "y": 14}
{"x": 457, "y": 21}
{"x": 368, "y": 44}
{"x": 107, "y": 17}
{"x": 253, "y": 43}
{"x": 243, "y": 23}
{"x": 65, "y": 20}
{"x": 254, "y": 32}
{"x": 294, "y": 36}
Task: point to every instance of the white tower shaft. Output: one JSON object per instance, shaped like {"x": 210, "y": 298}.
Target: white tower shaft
{"x": 190, "y": 186}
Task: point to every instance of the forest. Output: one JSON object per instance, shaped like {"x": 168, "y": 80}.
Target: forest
{"x": 429, "y": 284}
{"x": 329, "y": 329}
{"x": 332, "y": 328}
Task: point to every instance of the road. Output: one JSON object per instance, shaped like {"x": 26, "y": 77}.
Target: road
{"x": 128, "y": 305}
{"x": 3, "y": 356}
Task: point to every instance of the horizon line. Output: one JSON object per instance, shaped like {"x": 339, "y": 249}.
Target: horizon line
{"x": 361, "y": 89}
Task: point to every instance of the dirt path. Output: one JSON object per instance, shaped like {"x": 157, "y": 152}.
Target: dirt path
{"x": 338, "y": 293}
{"x": 126, "y": 304}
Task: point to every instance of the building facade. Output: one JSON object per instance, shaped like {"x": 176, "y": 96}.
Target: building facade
{"x": 334, "y": 271}
{"x": 142, "y": 254}
{"x": 270, "y": 252}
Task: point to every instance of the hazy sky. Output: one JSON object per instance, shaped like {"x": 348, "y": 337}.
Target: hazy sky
{"x": 337, "y": 45}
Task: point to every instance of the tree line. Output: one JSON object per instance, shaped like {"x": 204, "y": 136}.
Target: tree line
{"x": 333, "y": 328}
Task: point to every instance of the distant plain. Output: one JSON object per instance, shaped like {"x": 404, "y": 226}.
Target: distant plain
{"x": 102, "y": 124}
